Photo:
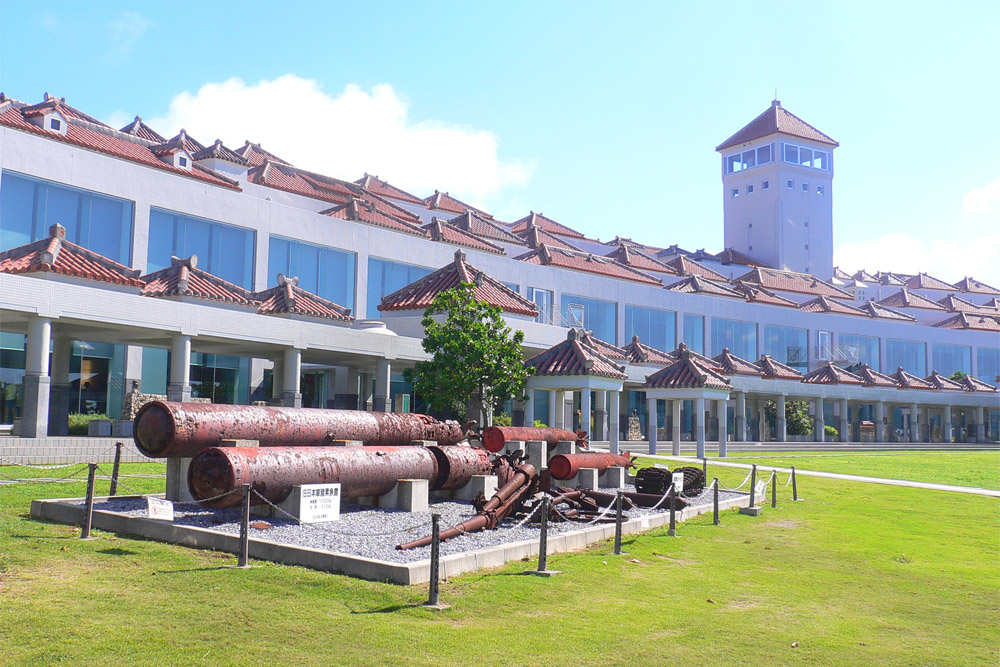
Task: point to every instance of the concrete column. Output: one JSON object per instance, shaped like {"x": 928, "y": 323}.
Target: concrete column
{"x": 699, "y": 425}
{"x": 780, "y": 423}
{"x": 179, "y": 382}
{"x": 651, "y": 423}
{"x": 59, "y": 389}
{"x": 365, "y": 388}
{"x": 382, "y": 402}
{"x": 552, "y": 409}
{"x": 585, "y": 410}
{"x": 675, "y": 406}
{"x": 559, "y": 404}
{"x": 35, "y": 409}
{"x": 354, "y": 387}
{"x": 277, "y": 379}
{"x": 600, "y": 415}
{"x": 845, "y": 424}
{"x": 615, "y": 428}
{"x": 980, "y": 424}
{"x": 762, "y": 420}
{"x": 741, "y": 417}
{"x": 946, "y": 433}
{"x": 915, "y": 423}
{"x": 529, "y": 408}
{"x": 291, "y": 385}
{"x": 879, "y": 421}
{"x": 723, "y": 408}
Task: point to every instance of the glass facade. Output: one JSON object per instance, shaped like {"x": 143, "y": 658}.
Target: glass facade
{"x": 787, "y": 345}
{"x": 543, "y": 299}
{"x": 694, "y": 332}
{"x": 542, "y": 407}
{"x": 951, "y": 358}
{"x": 908, "y": 354}
{"x": 595, "y": 315}
{"x": 739, "y": 337}
{"x": 863, "y": 349}
{"x": 11, "y": 376}
{"x": 219, "y": 378}
{"x": 385, "y": 277}
{"x": 28, "y": 207}
{"x": 324, "y": 271}
{"x": 223, "y": 250}
{"x": 988, "y": 364}
{"x": 653, "y": 326}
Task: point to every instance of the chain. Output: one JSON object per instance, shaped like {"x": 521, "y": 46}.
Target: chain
{"x": 46, "y": 480}
{"x": 330, "y": 530}
{"x": 8, "y": 462}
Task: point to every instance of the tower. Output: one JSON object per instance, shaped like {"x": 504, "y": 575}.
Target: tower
{"x": 777, "y": 186}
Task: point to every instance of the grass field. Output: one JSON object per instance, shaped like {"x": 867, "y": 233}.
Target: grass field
{"x": 855, "y": 574}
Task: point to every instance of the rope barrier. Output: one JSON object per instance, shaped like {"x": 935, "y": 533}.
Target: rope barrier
{"x": 737, "y": 488}
{"x": 46, "y": 480}
{"x": 8, "y": 462}
{"x": 602, "y": 514}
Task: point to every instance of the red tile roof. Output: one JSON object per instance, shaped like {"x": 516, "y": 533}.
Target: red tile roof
{"x": 54, "y": 254}
{"x": 102, "y": 139}
{"x": 971, "y": 321}
{"x": 955, "y": 304}
{"x": 548, "y": 224}
{"x": 699, "y": 285}
{"x": 909, "y": 381}
{"x": 976, "y": 287}
{"x": 992, "y": 304}
{"x": 368, "y": 210}
{"x": 59, "y": 103}
{"x": 220, "y": 152}
{"x": 184, "y": 278}
{"x": 385, "y": 189}
{"x": 776, "y": 119}
{"x": 604, "y": 347}
{"x": 480, "y": 226}
{"x": 790, "y": 281}
{"x": 731, "y": 256}
{"x": 684, "y": 266}
{"x": 574, "y": 356}
{"x": 139, "y": 129}
{"x": 579, "y": 261}
{"x": 877, "y": 310}
{"x": 822, "y": 304}
{"x": 256, "y": 156}
{"x": 904, "y": 298}
{"x": 630, "y": 255}
{"x": 757, "y": 294}
{"x": 536, "y": 237}
{"x": 970, "y": 383}
{"x": 776, "y": 370}
{"x": 924, "y": 281}
{"x": 888, "y": 278}
{"x": 288, "y": 297}
{"x": 640, "y": 353}
{"x": 439, "y": 230}
{"x": 643, "y": 247}
{"x": 686, "y": 373}
{"x": 419, "y": 294}
{"x": 939, "y": 381}
{"x": 830, "y": 374}
{"x": 445, "y": 202}
{"x": 733, "y": 365}
{"x": 873, "y": 378}
{"x": 683, "y": 349}
{"x": 181, "y": 140}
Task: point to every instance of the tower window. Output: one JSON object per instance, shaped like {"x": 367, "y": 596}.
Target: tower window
{"x": 750, "y": 189}
{"x": 819, "y": 190}
{"x": 55, "y": 124}
{"x": 765, "y": 185}
{"x": 805, "y": 187}
{"x": 182, "y": 161}
{"x": 735, "y": 193}
{"x": 791, "y": 184}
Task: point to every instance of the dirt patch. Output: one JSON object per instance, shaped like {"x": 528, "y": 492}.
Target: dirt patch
{"x": 742, "y": 604}
{"x": 782, "y": 523}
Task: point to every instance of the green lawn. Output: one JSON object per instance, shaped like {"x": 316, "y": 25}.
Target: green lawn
{"x": 855, "y": 573}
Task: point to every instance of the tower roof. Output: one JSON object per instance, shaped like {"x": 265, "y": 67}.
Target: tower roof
{"x": 776, "y": 119}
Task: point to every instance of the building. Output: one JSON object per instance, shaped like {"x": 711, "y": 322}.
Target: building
{"x": 134, "y": 262}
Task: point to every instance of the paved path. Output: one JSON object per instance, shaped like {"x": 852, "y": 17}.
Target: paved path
{"x": 995, "y": 493}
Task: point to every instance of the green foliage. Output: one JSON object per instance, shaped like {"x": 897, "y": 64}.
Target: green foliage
{"x": 797, "y": 419}
{"x": 958, "y": 376}
{"x": 503, "y": 419}
{"x": 831, "y": 431}
{"x": 80, "y": 423}
{"x": 540, "y": 424}
{"x": 477, "y": 360}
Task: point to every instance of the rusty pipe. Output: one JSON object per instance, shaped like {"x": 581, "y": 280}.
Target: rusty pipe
{"x": 564, "y": 466}
{"x": 183, "y": 429}
{"x": 495, "y": 437}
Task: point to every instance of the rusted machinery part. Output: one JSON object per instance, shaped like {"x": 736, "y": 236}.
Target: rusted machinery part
{"x": 495, "y": 437}
{"x": 506, "y": 499}
{"x": 165, "y": 428}
{"x": 637, "y": 499}
{"x": 565, "y": 466}
{"x": 652, "y": 480}
{"x": 459, "y": 464}
{"x": 694, "y": 480}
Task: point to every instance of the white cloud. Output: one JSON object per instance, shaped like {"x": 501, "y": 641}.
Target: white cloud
{"x": 984, "y": 201}
{"x": 347, "y": 134}
{"x": 126, "y": 30}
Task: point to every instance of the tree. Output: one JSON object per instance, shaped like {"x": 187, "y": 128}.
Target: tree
{"x": 958, "y": 376}
{"x": 797, "y": 419}
{"x": 477, "y": 362}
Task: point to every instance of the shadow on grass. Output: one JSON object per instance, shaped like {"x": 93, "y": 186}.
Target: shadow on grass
{"x": 196, "y": 569}
{"x": 390, "y": 609}
{"x": 117, "y": 551}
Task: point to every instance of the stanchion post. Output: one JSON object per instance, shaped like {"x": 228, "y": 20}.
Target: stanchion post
{"x": 753, "y": 486}
{"x": 715, "y": 502}
{"x": 88, "y": 512}
{"x": 774, "y": 489}
{"x": 704, "y": 467}
{"x": 618, "y": 523}
{"x": 795, "y": 491}
{"x": 114, "y": 470}
{"x": 433, "y": 598}
{"x": 672, "y": 531}
{"x": 543, "y": 543}
{"x": 244, "y": 555}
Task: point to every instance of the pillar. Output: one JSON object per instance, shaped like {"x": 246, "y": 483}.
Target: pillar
{"x": 558, "y": 409}
{"x": 354, "y": 388}
{"x": 723, "y": 408}
{"x": 615, "y": 421}
{"x": 675, "y": 406}
{"x": 879, "y": 421}
{"x": 820, "y": 423}
{"x": 277, "y": 380}
{"x": 651, "y": 423}
{"x": 291, "y": 384}
{"x": 845, "y": 423}
{"x": 59, "y": 389}
{"x": 946, "y": 435}
{"x": 382, "y": 401}
{"x": 179, "y": 382}
{"x": 585, "y": 410}
{"x": 529, "y": 408}
{"x": 780, "y": 423}
{"x": 699, "y": 425}
{"x": 980, "y": 424}
{"x": 600, "y": 416}
{"x": 762, "y": 420}
{"x": 915, "y": 423}
{"x": 741, "y": 417}
{"x": 35, "y": 409}
{"x": 365, "y": 395}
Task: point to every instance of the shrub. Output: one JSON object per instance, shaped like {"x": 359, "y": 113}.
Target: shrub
{"x": 540, "y": 424}
{"x": 502, "y": 419}
{"x": 79, "y": 423}
{"x": 831, "y": 431}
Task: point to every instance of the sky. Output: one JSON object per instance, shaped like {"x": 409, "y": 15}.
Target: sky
{"x": 603, "y": 116}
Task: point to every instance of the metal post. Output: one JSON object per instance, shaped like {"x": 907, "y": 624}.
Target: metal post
{"x": 672, "y": 532}
{"x": 543, "y": 537}
{"x": 753, "y": 486}
{"x": 618, "y": 523}
{"x": 88, "y": 512}
{"x": 245, "y": 530}
{"x": 715, "y": 502}
{"x": 114, "y": 471}
{"x": 774, "y": 489}
{"x": 433, "y": 598}
{"x": 795, "y": 491}
{"x": 704, "y": 467}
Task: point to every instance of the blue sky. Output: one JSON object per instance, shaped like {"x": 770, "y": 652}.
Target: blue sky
{"x": 604, "y": 117}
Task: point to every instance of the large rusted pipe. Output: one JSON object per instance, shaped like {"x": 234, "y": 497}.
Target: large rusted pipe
{"x": 183, "y": 429}
{"x": 495, "y": 437}
{"x": 361, "y": 471}
{"x": 564, "y": 466}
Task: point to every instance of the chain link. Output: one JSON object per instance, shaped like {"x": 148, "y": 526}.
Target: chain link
{"x": 46, "y": 480}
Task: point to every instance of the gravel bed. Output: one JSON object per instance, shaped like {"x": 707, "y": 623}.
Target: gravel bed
{"x": 371, "y": 533}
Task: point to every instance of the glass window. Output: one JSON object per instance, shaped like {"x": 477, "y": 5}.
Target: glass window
{"x": 988, "y": 364}
{"x": 739, "y": 337}
{"x": 543, "y": 299}
{"x": 736, "y": 193}
{"x": 951, "y": 358}
{"x": 28, "y": 207}
{"x": 765, "y": 185}
{"x": 385, "y": 277}
{"x": 805, "y": 157}
{"x": 764, "y": 154}
{"x": 155, "y": 369}
{"x": 908, "y": 354}
{"x": 223, "y": 250}
{"x": 694, "y": 332}
{"x": 321, "y": 270}
{"x": 653, "y": 326}
{"x": 805, "y": 187}
{"x": 819, "y": 190}
{"x": 514, "y": 287}
{"x": 821, "y": 160}
{"x": 859, "y": 350}
{"x": 733, "y": 163}
{"x": 749, "y": 159}
{"x": 222, "y": 379}
{"x": 749, "y": 189}
{"x": 788, "y": 345}
{"x": 791, "y": 184}
{"x": 791, "y": 153}
{"x": 596, "y": 315}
